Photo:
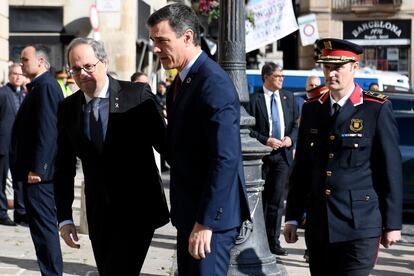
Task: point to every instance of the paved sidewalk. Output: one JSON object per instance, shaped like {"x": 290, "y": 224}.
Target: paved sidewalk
{"x": 17, "y": 256}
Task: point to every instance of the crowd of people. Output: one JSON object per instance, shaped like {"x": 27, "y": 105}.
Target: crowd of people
{"x": 336, "y": 154}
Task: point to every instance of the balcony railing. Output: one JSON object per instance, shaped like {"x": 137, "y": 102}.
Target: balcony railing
{"x": 366, "y": 5}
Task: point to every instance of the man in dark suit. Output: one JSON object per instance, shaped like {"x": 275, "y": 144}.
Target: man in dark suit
{"x": 111, "y": 126}
{"x": 276, "y": 126}
{"x": 32, "y": 155}
{"x": 11, "y": 96}
{"x": 347, "y": 173}
{"x": 208, "y": 198}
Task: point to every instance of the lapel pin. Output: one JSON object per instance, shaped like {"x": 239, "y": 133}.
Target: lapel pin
{"x": 188, "y": 80}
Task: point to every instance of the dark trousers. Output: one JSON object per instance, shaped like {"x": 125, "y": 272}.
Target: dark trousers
{"x": 4, "y": 167}
{"x": 275, "y": 172}
{"x": 350, "y": 258}
{"x": 216, "y": 263}
{"x": 41, "y": 215}
{"x": 19, "y": 208}
{"x": 122, "y": 251}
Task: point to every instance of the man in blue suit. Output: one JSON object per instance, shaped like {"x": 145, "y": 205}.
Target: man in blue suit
{"x": 208, "y": 198}
{"x": 347, "y": 173}
{"x": 33, "y": 150}
{"x": 276, "y": 126}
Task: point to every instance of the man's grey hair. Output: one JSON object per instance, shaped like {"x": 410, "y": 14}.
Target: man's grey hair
{"x": 14, "y": 65}
{"x": 180, "y": 18}
{"x": 97, "y": 46}
{"x": 269, "y": 68}
{"x": 41, "y": 51}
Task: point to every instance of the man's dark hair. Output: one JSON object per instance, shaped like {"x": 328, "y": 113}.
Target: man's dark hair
{"x": 136, "y": 75}
{"x": 180, "y": 18}
{"x": 269, "y": 68}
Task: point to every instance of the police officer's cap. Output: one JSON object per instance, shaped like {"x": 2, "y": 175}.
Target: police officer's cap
{"x": 333, "y": 50}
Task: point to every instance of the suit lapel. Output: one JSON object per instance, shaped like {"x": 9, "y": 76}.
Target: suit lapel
{"x": 285, "y": 106}
{"x": 186, "y": 87}
{"x": 346, "y": 112}
{"x": 263, "y": 108}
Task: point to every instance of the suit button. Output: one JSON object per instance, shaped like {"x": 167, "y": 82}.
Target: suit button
{"x": 328, "y": 192}
{"x": 328, "y": 173}
{"x": 311, "y": 144}
{"x": 356, "y": 145}
{"x": 332, "y": 137}
{"x": 331, "y": 155}
{"x": 367, "y": 197}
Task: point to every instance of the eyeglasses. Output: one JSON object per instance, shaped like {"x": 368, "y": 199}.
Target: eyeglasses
{"x": 278, "y": 76}
{"x": 88, "y": 68}
{"x": 16, "y": 74}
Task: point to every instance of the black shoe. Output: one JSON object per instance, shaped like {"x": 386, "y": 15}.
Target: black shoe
{"x": 278, "y": 250}
{"x": 7, "y": 221}
{"x": 306, "y": 256}
{"x": 22, "y": 221}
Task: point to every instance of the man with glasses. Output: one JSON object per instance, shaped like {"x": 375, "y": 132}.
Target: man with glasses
{"x": 33, "y": 149}
{"x": 11, "y": 96}
{"x": 276, "y": 126}
{"x": 111, "y": 126}
{"x": 347, "y": 173}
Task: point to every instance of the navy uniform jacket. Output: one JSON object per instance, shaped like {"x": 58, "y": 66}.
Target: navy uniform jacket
{"x": 33, "y": 144}
{"x": 119, "y": 178}
{"x": 261, "y": 129}
{"x": 347, "y": 174}
{"x": 204, "y": 150}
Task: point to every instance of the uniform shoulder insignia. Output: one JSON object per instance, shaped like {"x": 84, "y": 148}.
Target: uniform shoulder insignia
{"x": 375, "y": 95}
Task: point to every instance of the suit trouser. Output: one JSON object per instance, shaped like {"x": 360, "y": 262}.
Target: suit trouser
{"x": 349, "y": 258}
{"x": 216, "y": 263}
{"x": 122, "y": 250}
{"x": 275, "y": 172}
{"x": 4, "y": 167}
{"x": 41, "y": 216}
{"x": 19, "y": 208}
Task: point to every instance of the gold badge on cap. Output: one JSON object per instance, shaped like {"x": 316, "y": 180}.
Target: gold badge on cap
{"x": 327, "y": 45}
{"x": 356, "y": 125}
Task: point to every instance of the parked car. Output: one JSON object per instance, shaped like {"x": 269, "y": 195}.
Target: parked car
{"x": 295, "y": 80}
{"x": 401, "y": 101}
{"x": 405, "y": 120}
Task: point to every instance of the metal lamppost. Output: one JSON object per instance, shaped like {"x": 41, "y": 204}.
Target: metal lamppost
{"x": 251, "y": 255}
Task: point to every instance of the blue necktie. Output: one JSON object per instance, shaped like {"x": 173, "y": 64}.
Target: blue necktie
{"x": 275, "y": 118}
{"x": 95, "y": 125}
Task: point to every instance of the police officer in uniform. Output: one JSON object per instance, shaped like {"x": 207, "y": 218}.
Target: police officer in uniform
{"x": 347, "y": 174}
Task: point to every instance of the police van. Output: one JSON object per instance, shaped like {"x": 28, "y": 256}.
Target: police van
{"x": 295, "y": 80}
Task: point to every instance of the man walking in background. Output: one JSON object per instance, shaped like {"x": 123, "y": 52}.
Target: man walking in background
{"x": 11, "y": 96}
{"x": 33, "y": 154}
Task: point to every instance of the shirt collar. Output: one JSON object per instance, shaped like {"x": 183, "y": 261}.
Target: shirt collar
{"x": 270, "y": 92}
{"x": 104, "y": 93}
{"x": 343, "y": 100}
{"x": 187, "y": 68}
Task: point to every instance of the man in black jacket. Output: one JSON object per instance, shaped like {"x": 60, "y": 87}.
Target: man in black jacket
{"x": 276, "y": 126}
{"x": 11, "y": 97}
{"x": 112, "y": 127}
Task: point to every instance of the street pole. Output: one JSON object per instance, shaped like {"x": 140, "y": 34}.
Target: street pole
{"x": 251, "y": 254}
